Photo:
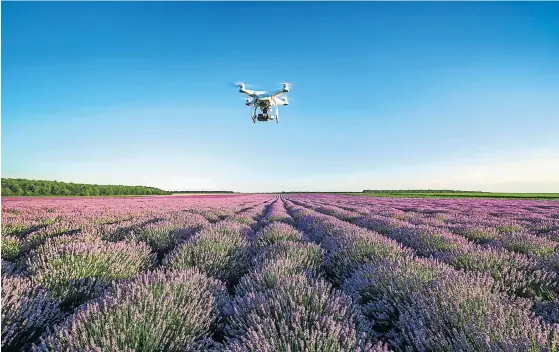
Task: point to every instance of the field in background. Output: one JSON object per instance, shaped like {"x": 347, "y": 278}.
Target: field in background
{"x": 550, "y": 196}
{"x": 207, "y": 194}
{"x": 234, "y": 272}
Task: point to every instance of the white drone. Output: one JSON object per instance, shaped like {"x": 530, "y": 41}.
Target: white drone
{"x": 264, "y": 101}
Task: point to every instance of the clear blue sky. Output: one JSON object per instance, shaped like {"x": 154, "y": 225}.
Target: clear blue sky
{"x": 385, "y": 94}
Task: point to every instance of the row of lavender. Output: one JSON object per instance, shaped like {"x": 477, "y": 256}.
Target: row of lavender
{"x": 375, "y": 268}
{"x": 47, "y": 273}
{"x": 250, "y": 281}
{"x": 523, "y": 264}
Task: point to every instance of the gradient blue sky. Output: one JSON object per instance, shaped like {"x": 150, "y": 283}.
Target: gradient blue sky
{"x": 385, "y": 95}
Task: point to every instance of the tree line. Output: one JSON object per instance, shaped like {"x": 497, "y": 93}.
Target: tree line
{"x": 417, "y": 191}
{"x": 24, "y": 187}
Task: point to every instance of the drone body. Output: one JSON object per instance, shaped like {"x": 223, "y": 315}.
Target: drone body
{"x": 263, "y": 102}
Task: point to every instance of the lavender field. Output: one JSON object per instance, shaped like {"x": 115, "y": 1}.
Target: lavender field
{"x": 279, "y": 273}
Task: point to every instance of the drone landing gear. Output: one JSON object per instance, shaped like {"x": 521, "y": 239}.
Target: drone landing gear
{"x": 264, "y": 115}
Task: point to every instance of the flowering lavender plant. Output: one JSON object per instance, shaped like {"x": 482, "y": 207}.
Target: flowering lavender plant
{"x": 465, "y": 313}
{"x": 161, "y": 310}
{"x": 11, "y": 247}
{"x": 308, "y": 273}
{"x": 27, "y": 310}
{"x": 220, "y": 250}
{"x": 76, "y": 271}
{"x": 383, "y": 288}
{"x": 297, "y": 314}
{"x": 277, "y": 232}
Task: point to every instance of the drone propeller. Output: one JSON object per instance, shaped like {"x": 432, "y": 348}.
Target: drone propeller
{"x": 239, "y": 83}
{"x": 288, "y": 84}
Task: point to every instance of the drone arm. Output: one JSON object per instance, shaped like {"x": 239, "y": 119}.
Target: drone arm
{"x": 279, "y": 92}
{"x": 248, "y": 92}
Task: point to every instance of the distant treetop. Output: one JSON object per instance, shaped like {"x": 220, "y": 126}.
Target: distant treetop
{"x": 24, "y": 187}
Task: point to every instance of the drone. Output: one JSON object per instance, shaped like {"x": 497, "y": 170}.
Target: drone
{"x": 263, "y": 102}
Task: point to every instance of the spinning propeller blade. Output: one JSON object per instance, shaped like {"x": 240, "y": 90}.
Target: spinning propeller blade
{"x": 247, "y": 85}
{"x": 288, "y": 84}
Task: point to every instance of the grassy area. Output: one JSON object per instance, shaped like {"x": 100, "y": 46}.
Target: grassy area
{"x": 548, "y": 196}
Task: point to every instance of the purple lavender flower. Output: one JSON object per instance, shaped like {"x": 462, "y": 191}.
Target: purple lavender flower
{"x": 384, "y": 287}
{"x": 466, "y": 313}
{"x": 380, "y": 224}
{"x": 552, "y": 262}
{"x": 308, "y": 255}
{"x": 8, "y": 268}
{"x": 299, "y": 313}
{"x": 515, "y": 273}
{"x": 161, "y": 310}
{"x": 282, "y": 259}
{"x": 338, "y": 212}
{"x": 528, "y": 244}
{"x": 220, "y": 250}
{"x": 165, "y": 235}
{"x": 481, "y": 235}
{"x": 76, "y": 271}
{"x": 427, "y": 240}
{"x": 277, "y": 212}
{"x": 11, "y": 247}
{"x": 27, "y": 309}
{"x": 359, "y": 249}
{"x": 548, "y": 310}
{"x": 277, "y": 232}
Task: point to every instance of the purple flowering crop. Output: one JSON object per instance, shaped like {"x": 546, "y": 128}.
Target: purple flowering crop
{"x": 290, "y": 273}
{"x": 161, "y": 310}
{"x": 27, "y": 310}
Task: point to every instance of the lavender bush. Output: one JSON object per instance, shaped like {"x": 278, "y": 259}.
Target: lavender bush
{"x": 527, "y": 244}
{"x": 382, "y": 289}
{"x": 515, "y": 273}
{"x": 308, "y": 255}
{"x": 347, "y": 256}
{"x": 277, "y": 232}
{"x": 8, "y": 268}
{"x": 221, "y": 250}
{"x": 11, "y": 247}
{"x": 27, "y": 310}
{"x": 466, "y": 314}
{"x": 277, "y": 213}
{"x": 76, "y": 271}
{"x": 298, "y": 314}
{"x": 163, "y": 236}
{"x": 157, "y": 311}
